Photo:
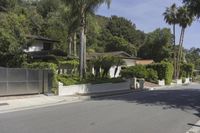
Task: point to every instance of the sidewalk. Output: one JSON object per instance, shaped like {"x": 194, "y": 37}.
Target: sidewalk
{"x": 10, "y": 104}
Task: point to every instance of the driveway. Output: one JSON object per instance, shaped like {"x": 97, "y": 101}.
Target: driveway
{"x": 163, "y": 111}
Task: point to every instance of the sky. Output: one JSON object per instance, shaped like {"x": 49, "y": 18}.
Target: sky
{"x": 147, "y": 15}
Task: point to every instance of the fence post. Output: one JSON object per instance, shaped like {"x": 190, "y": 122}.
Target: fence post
{"x": 6, "y": 80}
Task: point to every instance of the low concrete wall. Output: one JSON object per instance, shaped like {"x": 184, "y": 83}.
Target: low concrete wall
{"x": 161, "y": 82}
{"x": 92, "y": 88}
{"x": 179, "y": 82}
{"x": 187, "y": 80}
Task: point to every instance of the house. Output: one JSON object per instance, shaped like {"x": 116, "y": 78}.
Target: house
{"x": 39, "y": 43}
{"x": 127, "y": 58}
{"x": 42, "y": 48}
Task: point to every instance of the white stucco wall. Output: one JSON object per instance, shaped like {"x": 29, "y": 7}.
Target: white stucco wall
{"x": 112, "y": 72}
{"x": 92, "y": 88}
{"x": 129, "y": 62}
{"x": 35, "y": 47}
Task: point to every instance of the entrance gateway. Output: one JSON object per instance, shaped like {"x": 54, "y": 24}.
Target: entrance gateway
{"x": 22, "y": 81}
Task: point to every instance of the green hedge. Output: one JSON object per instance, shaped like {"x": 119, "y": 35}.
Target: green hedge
{"x": 45, "y": 66}
{"x": 151, "y": 72}
{"x": 187, "y": 70}
{"x": 164, "y": 70}
{"x": 67, "y": 80}
{"x": 138, "y": 71}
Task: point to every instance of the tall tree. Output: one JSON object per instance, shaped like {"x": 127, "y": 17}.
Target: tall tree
{"x": 185, "y": 19}
{"x": 170, "y": 16}
{"x": 12, "y": 39}
{"x": 81, "y": 8}
{"x": 157, "y": 46}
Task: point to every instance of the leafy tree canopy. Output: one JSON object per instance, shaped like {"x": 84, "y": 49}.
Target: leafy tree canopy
{"x": 157, "y": 46}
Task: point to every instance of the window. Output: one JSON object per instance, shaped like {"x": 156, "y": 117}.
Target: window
{"x": 47, "y": 46}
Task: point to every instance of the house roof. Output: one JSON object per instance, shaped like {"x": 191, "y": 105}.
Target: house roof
{"x": 121, "y": 54}
{"x": 41, "y": 38}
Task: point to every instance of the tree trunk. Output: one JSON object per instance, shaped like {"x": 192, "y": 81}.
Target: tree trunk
{"x": 82, "y": 43}
{"x": 81, "y": 59}
{"x": 174, "y": 47}
{"x": 74, "y": 44}
{"x": 85, "y": 46}
{"x": 179, "y": 52}
{"x": 84, "y": 56}
{"x": 70, "y": 46}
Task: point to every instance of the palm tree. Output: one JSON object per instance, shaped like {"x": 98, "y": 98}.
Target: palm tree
{"x": 170, "y": 16}
{"x": 194, "y": 6}
{"x": 81, "y": 8}
{"x": 185, "y": 19}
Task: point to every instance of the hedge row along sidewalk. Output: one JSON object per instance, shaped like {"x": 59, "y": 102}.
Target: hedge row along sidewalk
{"x": 152, "y": 73}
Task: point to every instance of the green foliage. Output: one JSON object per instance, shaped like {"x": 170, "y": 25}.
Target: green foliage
{"x": 123, "y": 28}
{"x": 138, "y": 71}
{"x": 12, "y": 39}
{"x": 152, "y": 75}
{"x": 194, "y": 6}
{"x": 47, "y": 6}
{"x": 70, "y": 62}
{"x": 105, "y": 63}
{"x": 7, "y": 4}
{"x": 104, "y": 33}
{"x": 186, "y": 70}
{"x": 66, "y": 80}
{"x": 119, "y": 44}
{"x": 164, "y": 70}
{"x": 157, "y": 46}
{"x": 193, "y": 57}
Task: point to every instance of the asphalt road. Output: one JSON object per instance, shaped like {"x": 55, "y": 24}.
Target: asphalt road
{"x": 166, "y": 111}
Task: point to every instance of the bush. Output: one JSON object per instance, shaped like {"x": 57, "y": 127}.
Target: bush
{"x": 183, "y": 80}
{"x": 66, "y": 80}
{"x": 186, "y": 70}
{"x": 45, "y": 66}
{"x": 164, "y": 70}
{"x": 138, "y": 71}
{"x": 152, "y": 75}
{"x": 104, "y": 63}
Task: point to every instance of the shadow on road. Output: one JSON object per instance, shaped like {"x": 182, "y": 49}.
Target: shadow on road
{"x": 184, "y": 99}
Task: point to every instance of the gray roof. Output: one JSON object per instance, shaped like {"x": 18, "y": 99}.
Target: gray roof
{"x": 41, "y": 38}
{"x": 121, "y": 54}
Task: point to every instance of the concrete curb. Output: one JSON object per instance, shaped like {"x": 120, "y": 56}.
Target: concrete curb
{"x": 38, "y": 102}
{"x": 28, "y": 107}
{"x": 166, "y": 87}
{"x": 108, "y": 94}
{"x": 195, "y": 128}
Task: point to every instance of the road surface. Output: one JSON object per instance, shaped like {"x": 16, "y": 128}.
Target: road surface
{"x": 162, "y": 111}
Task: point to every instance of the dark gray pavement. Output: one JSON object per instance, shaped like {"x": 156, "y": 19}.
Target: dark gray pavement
{"x": 161, "y": 111}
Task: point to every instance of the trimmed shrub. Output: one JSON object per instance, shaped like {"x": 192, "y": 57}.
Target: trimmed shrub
{"x": 138, "y": 71}
{"x": 186, "y": 70}
{"x": 66, "y": 80}
{"x": 152, "y": 75}
{"x": 164, "y": 70}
